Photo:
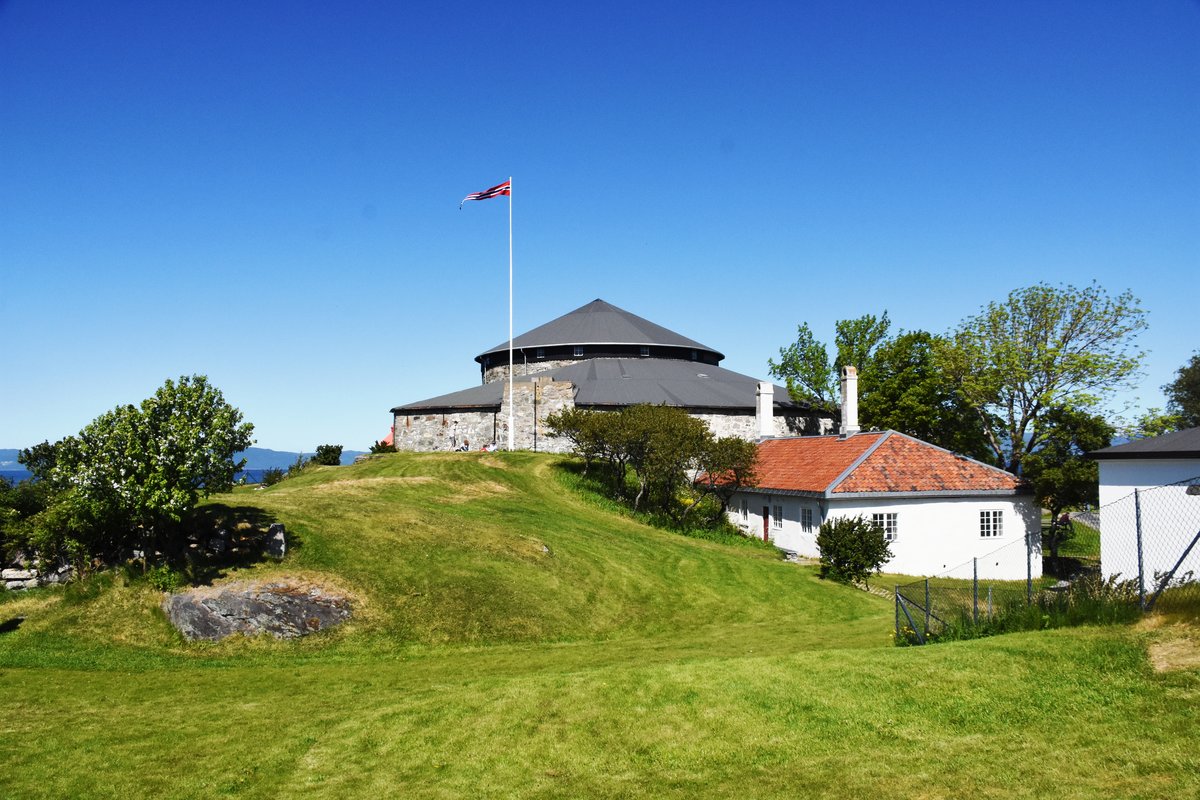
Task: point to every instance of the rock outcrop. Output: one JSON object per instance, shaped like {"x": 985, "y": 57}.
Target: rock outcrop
{"x": 285, "y": 609}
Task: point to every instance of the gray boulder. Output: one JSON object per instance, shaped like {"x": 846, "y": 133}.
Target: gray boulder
{"x": 276, "y": 543}
{"x": 284, "y": 609}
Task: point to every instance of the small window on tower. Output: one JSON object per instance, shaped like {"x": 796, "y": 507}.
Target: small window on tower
{"x": 541, "y": 352}
{"x": 645, "y": 351}
{"x": 578, "y": 350}
{"x": 695, "y": 355}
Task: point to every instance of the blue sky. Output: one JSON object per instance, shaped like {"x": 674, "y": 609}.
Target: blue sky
{"x": 267, "y": 193}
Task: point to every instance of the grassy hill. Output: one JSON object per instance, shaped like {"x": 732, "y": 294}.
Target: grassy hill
{"x": 518, "y": 639}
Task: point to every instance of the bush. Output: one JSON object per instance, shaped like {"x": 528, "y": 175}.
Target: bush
{"x": 272, "y": 476}
{"x": 852, "y": 549}
{"x": 328, "y": 455}
{"x": 382, "y": 447}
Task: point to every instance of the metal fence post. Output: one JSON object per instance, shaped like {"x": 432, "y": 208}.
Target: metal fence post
{"x": 975, "y": 590}
{"x": 1137, "y": 514}
{"x": 1028, "y": 568}
{"x": 897, "y": 591}
{"x": 989, "y": 602}
{"x": 927, "y": 605}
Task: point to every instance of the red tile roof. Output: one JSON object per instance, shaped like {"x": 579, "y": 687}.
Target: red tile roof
{"x": 872, "y": 462}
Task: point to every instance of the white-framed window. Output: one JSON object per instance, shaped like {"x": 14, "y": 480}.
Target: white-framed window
{"x": 578, "y": 350}
{"x": 745, "y": 510}
{"x": 777, "y": 517}
{"x": 645, "y": 351}
{"x": 541, "y": 352}
{"x": 806, "y": 520}
{"x": 991, "y": 523}
{"x": 887, "y": 521}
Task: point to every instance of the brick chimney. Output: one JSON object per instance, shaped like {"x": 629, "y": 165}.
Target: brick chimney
{"x": 764, "y": 407}
{"x": 849, "y": 402}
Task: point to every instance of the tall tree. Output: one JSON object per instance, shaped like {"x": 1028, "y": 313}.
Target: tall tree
{"x": 805, "y": 367}
{"x": 909, "y": 393}
{"x": 1060, "y": 475}
{"x": 1042, "y": 347}
{"x": 1183, "y": 393}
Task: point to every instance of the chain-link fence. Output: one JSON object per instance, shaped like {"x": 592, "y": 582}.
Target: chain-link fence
{"x": 1135, "y": 554}
{"x": 1149, "y": 537}
{"x": 966, "y": 594}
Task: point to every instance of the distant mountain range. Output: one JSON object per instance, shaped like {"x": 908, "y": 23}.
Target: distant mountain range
{"x": 256, "y": 458}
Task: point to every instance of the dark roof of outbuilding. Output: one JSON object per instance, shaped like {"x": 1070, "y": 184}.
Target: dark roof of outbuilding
{"x": 1180, "y": 444}
{"x": 627, "y": 381}
{"x": 599, "y": 323}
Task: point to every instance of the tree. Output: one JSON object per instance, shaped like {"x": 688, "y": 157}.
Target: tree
{"x": 1061, "y": 477}
{"x": 805, "y": 368}
{"x": 137, "y": 471}
{"x": 328, "y": 455}
{"x": 1043, "y": 347}
{"x": 910, "y": 394}
{"x": 851, "y": 549}
{"x": 1183, "y": 393}
{"x": 726, "y": 465}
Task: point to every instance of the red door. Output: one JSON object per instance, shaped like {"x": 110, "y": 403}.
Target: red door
{"x": 766, "y": 523}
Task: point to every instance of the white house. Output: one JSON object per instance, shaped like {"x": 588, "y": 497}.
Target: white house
{"x": 1155, "y": 480}
{"x": 939, "y": 510}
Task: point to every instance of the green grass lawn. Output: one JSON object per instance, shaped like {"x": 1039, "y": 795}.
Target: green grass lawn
{"x": 516, "y": 639}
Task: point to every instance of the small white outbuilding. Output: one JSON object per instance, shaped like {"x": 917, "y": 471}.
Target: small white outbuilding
{"x": 1150, "y": 487}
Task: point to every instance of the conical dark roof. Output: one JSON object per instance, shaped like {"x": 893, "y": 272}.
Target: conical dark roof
{"x": 600, "y": 323}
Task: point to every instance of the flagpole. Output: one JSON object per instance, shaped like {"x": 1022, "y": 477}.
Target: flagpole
{"x": 511, "y": 366}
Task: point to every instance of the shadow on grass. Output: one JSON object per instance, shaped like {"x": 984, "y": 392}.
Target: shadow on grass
{"x": 10, "y": 625}
{"x": 244, "y": 541}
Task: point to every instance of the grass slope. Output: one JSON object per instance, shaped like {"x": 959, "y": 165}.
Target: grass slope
{"x": 517, "y": 640}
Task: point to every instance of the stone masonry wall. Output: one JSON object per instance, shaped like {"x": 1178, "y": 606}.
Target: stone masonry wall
{"x": 536, "y": 400}
{"x": 426, "y": 433}
{"x": 500, "y": 373}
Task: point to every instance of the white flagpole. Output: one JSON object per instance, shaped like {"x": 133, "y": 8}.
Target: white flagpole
{"x": 511, "y": 365}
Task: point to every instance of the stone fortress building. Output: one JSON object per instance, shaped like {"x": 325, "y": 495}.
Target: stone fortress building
{"x": 605, "y": 358}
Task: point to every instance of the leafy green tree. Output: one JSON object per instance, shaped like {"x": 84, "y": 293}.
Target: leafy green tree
{"x": 1043, "y": 347}
{"x": 328, "y": 455}
{"x": 138, "y": 470}
{"x": 851, "y": 549}
{"x": 805, "y": 367}
{"x": 726, "y": 465}
{"x": 1062, "y": 478}
{"x": 382, "y": 447}
{"x": 1155, "y": 422}
{"x": 909, "y": 393}
{"x": 1183, "y": 394}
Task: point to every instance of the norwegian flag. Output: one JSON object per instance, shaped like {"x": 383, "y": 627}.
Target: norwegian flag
{"x": 486, "y": 194}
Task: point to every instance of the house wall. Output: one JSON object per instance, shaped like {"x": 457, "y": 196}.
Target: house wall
{"x": 933, "y": 536}
{"x": 1170, "y": 516}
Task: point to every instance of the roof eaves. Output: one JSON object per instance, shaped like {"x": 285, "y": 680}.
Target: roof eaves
{"x": 937, "y": 493}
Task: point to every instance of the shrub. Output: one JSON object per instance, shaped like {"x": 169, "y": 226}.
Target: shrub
{"x": 382, "y": 447}
{"x": 328, "y": 455}
{"x": 272, "y": 476}
{"x": 852, "y": 549}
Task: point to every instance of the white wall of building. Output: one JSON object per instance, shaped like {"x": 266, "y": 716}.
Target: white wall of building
{"x": 1170, "y": 516}
{"x": 933, "y": 535}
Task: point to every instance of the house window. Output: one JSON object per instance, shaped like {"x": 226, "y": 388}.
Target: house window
{"x": 806, "y": 520}
{"x": 888, "y": 523}
{"x": 991, "y": 523}
{"x": 777, "y": 517}
{"x": 745, "y": 510}
{"x": 645, "y": 351}
{"x": 541, "y": 352}
{"x": 695, "y": 355}
{"x": 578, "y": 350}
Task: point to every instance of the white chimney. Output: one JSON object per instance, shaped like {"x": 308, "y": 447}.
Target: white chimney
{"x": 849, "y": 401}
{"x": 765, "y": 409}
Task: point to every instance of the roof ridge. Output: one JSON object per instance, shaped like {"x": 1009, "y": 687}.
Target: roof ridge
{"x": 848, "y": 471}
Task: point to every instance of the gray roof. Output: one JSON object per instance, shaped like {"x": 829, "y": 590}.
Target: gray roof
{"x": 1180, "y": 444}
{"x": 596, "y": 323}
{"x": 627, "y": 381}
